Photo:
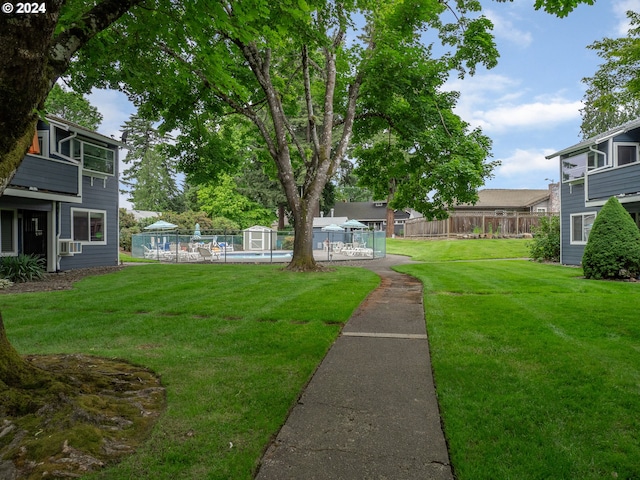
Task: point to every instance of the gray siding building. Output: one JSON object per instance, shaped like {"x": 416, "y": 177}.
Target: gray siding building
{"x": 62, "y": 203}
{"x": 591, "y": 172}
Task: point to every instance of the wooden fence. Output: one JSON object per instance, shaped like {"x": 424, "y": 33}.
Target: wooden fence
{"x": 498, "y": 223}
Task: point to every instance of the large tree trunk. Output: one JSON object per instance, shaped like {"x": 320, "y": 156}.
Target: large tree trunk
{"x": 390, "y": 222}
{"x": 24, "y": 82}
{"x": 303, "y": 259}
{"x": 14, "y": 370}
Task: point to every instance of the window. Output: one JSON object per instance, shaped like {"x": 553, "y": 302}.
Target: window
{"x": 581, "y": 224}
{"x": 94, "y": 157}
{"x": 574, "y": 167}
{"x": 40, "y": 144}
{"x": 626, "y": 153}
{"x": 7, "y": 232}
{"x": 595, "y": 160}
{"x": 89, "y": 226}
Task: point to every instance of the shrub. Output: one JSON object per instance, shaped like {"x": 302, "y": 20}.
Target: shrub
{"x": 287, "y": 243}
{"x": 546, "y": 240}
{"x": 613, "y": 248}
{"x": 126, "y": 237}
{"x": 23, "y": 268}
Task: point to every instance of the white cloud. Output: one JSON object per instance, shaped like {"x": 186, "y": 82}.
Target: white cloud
{"x": 529, "y": 165}
{"x": 503, "y": 28}
{"x": 620, "y": 9}
{"x": 492, "y": 103}
{"x": 536, "y": 115}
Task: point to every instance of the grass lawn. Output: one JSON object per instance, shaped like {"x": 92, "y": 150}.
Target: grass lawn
{"x": 448, "y": 250}
{"x": 537, "y": 370}
{"x": 234, "y": 345}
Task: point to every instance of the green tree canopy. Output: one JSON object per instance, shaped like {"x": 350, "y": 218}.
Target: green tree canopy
{"x": 613, "y": 92}
{"x": 151, "y": 172}
{"x": 73, "y": 107}
{"x": 224, "y": 200}
{"x": 304, "y": 73}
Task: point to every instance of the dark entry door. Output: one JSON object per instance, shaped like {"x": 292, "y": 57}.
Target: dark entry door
{"x": 34, "y": 233}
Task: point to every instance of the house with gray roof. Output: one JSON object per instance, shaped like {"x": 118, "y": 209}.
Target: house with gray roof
{"x": 591, "y": 172}
{"x": 513, "y": 200}
{"x": 372, "y": 214}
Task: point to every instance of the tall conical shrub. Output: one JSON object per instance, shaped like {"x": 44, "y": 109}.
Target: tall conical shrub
{"x": 613, "y": 248}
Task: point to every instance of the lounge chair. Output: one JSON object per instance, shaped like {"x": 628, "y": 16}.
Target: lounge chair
{"x": 226, "y": 247}
{"x": 207, "y": 254}
{"x": 150, "y": 254}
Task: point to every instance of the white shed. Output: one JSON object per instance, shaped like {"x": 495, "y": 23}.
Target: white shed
{"x": 257, "y": 238}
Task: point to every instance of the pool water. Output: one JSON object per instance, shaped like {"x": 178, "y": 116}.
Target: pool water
{"x": 256, "y": 255}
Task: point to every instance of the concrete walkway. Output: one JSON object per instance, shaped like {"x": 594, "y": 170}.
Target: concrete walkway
{"x": 370, "y": 410}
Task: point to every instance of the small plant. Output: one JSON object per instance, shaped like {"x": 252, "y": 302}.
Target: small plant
{"x": 287, "y": 243}
{"x": 23, "y": 268}
{"x": 613, "y": 247}
{"x": 546, "y": 240}
{"x": 5, "y": 283}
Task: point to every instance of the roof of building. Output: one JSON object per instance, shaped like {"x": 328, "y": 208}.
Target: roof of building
{"x": 619, "y": 130}
{"x": 363, "y": 211}
{"x": 66, "y": 124}
{"x": 502, "y": 198}
{"x": 325, "y": 221}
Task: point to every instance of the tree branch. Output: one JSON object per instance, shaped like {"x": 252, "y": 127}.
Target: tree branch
{"x": 313, "y": 127}
{"x": 65, "y": 45}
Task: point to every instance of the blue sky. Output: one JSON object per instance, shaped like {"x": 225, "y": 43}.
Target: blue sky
{"x": 529, "y": 105}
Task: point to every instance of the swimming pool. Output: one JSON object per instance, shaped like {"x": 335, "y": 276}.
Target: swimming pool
{"x": 256, "y": 255}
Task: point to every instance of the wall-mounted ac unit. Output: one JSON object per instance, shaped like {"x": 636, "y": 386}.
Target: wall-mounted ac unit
{"x": 69, "y": 247}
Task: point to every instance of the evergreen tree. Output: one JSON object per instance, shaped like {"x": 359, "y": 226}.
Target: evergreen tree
{"x": 150, "y": 176}
{"x": 613, "y": 247}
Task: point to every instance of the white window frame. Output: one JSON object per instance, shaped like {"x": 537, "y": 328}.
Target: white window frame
{"x": 14, "y": 239}
{"x": 624, "y": 144}
{"x": 89, "y": 212}
{"x": 584, "y": 233}
{"x": 81, "y": 154}
{"x": 582, "y": 160}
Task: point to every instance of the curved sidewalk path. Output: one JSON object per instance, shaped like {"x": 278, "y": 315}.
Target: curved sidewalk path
{"x": 370, "y": 410}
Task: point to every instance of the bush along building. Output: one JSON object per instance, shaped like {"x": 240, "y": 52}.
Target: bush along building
{"x": 591, "y": 172}
{"x": 62, "y": 203}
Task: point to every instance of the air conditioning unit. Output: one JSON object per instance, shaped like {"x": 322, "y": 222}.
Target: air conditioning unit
{"x": 69, "y": 247}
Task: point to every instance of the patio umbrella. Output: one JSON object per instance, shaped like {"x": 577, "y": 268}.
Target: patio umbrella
{"x": 196, "y": 233}
{"x": 160, "y": 225}
{"x": 354, "y": 224}
{"x": 332, "y": 228}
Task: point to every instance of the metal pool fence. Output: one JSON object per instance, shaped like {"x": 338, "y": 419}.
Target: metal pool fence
{"x": 255, "y": 245}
